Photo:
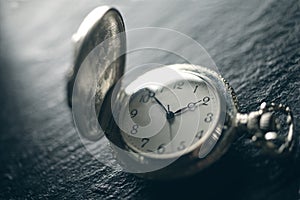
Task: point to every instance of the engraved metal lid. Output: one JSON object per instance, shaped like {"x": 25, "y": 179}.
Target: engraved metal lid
{"x": 101, "y": 24}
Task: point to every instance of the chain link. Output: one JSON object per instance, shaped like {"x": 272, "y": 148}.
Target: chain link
{"x": 263, "y": 128}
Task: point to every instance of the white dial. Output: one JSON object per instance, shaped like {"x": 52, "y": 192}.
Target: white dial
{"x": 170, "y": 119}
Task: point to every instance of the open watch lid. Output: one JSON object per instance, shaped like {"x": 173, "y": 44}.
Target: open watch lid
{"x": 99, "y": 60}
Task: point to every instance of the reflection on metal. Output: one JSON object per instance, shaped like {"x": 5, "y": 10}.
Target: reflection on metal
{"x": 265, "y": 128}
{"x": 101, "y": 24}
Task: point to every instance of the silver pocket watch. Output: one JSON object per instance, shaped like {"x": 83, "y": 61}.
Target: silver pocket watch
{"x": 165, "y": 122}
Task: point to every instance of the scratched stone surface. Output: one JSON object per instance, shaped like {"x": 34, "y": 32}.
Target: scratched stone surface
{"x": 256, "y": 45}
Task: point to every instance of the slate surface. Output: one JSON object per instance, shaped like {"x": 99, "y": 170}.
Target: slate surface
{"x": 256, "y": 45}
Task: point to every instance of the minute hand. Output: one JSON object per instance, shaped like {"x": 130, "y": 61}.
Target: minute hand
{"x": 151, "y": 94}
{"x": 159, "y": 103}
{"x": 189, "y": 106}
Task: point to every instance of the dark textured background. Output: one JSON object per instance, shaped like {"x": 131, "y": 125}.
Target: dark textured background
{"x": 256, "y": 45}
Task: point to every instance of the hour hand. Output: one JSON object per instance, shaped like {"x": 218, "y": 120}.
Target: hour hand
{"x": 189, "y": 106}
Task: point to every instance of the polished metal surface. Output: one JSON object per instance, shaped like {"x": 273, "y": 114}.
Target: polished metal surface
{"x": 103, "y": 24}
{"x": 99, "y": 61}
{"x": 265, "y": 129}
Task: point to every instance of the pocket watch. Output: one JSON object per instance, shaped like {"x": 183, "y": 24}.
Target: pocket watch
{"x": 165, "y": 122}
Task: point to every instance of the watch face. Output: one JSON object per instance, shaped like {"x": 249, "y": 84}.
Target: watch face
{"x": 169, "y": 117}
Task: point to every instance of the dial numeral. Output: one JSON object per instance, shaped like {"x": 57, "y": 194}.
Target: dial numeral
{"x": 144, "y": 142}
{"x": 199, "y": 134}
{"x": 134, "y": 129}
{"x": 133, "y": 113}
{"x": 209, "y": 117}
{"x": 146, "y": 97}
{"x": 206, "y": 100}
{"x": 161, "y": 149}
{"x": 181, "y": 146}
{"x": 196, "y": 87}
{"x": 178, "y": 85}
